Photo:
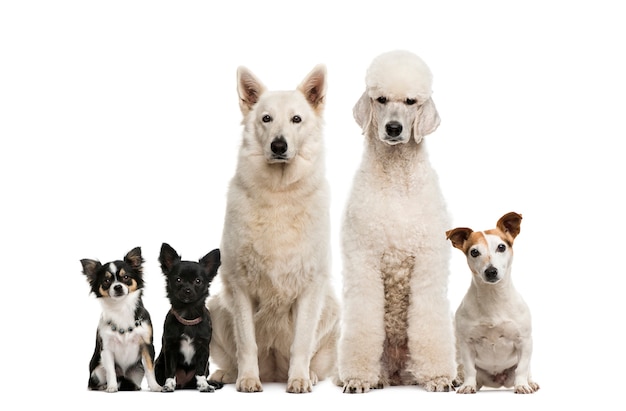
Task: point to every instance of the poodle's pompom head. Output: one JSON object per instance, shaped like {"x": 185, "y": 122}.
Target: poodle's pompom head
{"x": 399, "y": 75}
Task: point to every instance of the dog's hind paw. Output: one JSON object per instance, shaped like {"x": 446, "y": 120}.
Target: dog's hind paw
{"x": 223, "y": 377}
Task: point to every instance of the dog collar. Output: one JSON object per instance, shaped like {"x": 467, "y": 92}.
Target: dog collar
{"x": 185, "y": 321}
{"x": 122, "y": 330}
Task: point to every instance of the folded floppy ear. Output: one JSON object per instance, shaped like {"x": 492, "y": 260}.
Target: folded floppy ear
{"x": 211, "y": 263}
{"x": 510, "y": 223}
{"x": 314, "y": 87}
{"x": 168, "y": 257}
{"x": 362, "y": 112}
{"x": 249, "y": 89}
{"x": 426, "y": 121}
{"x": 459, "y": 236}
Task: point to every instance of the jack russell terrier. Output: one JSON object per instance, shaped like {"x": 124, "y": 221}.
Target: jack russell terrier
{"x": 493, "y": 323}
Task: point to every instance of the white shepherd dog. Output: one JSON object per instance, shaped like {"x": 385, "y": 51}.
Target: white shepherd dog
{"x": 276, "y": 317}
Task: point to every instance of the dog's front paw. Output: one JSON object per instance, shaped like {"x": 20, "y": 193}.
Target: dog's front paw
{"x": 356, "y": 386}
{"x": 249, "y": 384}
{"x": 439, "y": 384}
{"x": 203, "y": 385}
{"x": 170, "y": 385}
{"x": 466, "y": 389}
{"x": 529, "y": 388}
{"x": 299, "y": 385}
{"x": 111, "y": 388}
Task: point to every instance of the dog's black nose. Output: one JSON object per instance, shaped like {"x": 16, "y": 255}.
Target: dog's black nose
{"x": 393, "y": 128}
{"x": 118, "y": 288}
{"x": 279, "y": 145}
{"x": 491, "y": 274}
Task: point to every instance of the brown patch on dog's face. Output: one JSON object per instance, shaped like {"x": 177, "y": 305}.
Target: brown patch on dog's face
{"x": 506, "y": 237}
{"x": 127, "y": 280}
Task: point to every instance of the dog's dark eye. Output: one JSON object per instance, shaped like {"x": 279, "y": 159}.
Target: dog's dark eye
{"x": 178, "y": 279}
{"x": 474, "y": 252}
{"x": 198, "y": 281}
{"x": 410, "y": 101}
{"x": 266, "y": 118}
{"x": 501, "y": 248}
{"x": 296, "y": 119}
{"x": 382, "y": 100}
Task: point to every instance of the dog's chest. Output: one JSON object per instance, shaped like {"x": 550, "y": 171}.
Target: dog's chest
{"x": 126, "y": 347}
{"x": 495, "y": 344}
{"x": 187, "y": 349}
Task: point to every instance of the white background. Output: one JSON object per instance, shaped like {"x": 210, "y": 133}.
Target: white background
{"x": 119, "y": 127}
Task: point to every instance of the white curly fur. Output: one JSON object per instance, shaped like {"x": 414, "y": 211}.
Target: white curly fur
{"x": 397, "y": 324}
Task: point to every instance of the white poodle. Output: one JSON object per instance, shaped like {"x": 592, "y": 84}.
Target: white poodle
{"x": 397, "y": 324}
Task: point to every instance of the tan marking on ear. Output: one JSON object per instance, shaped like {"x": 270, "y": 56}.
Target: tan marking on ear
{"x": 459, "y": 236}
{"x": 511, "y": 223}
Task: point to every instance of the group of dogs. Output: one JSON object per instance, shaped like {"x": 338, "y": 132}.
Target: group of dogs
{"x": 276, "y": 317}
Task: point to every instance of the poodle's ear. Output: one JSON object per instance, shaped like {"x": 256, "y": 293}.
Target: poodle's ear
{"x": 362, "y": 112}
{"x": 249, "y": 89}
{"x": 426, "y": 121}
{"x": 314, "y": 87}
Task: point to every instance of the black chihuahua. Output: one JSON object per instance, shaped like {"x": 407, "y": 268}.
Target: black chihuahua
{"x": 187, "y": 329}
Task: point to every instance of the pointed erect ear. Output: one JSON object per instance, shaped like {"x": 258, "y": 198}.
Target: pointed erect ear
{"x": 167, "y": 257}
{"x": 362, "y": 112}
{"x": 90, "y": 268}
{"x": 211, "y": 262}
{"x": 426, "y": 121}
{"x": 314, "y": 87}
{"x": 134, "y": 259}
{"x": 249, "y": 89}
{"x": 459, "y": 236}
{"x": 510, "y": 223}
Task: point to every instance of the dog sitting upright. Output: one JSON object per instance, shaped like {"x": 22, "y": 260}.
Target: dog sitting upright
{"x": 187, "y": 329}
{"x": 124, "y": 350}
{"x": 493, "y": 323}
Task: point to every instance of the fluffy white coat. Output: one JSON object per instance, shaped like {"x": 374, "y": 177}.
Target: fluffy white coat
{"x": 277, "y": 318}
{"x": 397, "y": 324}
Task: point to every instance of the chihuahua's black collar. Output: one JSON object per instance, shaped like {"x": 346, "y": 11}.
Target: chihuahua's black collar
{"x": 185, "y": 321}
